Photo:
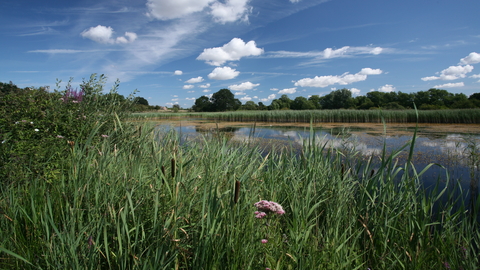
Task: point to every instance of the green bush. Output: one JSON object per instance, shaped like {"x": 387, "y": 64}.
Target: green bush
{"x": 39, "y": 127}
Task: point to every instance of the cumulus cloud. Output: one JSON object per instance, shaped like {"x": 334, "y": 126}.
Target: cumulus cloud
{"x": 450, "y": 85}
{"x": 355, "y": 91}
{"x": 205, "y": 85}
{"x": 178, "y": 72}
{"x": 387, "y": 88}
{"x": 243, "y": 86}
{"x": 451, "y": 73}
{"x": 103, "y": 34}
{"x": 173, "y": 9}
{"x": 223, "y": 73}
{"x": 287, "y": 91}
{"x": 245, "y": 99}
{"x": 188, "y": 86}
{"x": 344, "y": 79}
{"x": 230, "y": 11}
{"x": 232, "y": 51}
{"x": 472, "y": 58}
{"x": 270, "y": 97}
{"x": 240, "y": 93}
{"x": 195, "y": 80}
{"x": 206, "y": 90}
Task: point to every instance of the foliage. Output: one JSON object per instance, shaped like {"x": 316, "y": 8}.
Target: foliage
{"x": 221, "y": 101}
{"x": 39, "y": 127}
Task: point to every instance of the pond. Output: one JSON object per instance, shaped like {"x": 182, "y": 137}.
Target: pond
{"x": 455, "y": 146}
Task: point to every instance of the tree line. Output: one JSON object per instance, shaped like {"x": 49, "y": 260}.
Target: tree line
{"x": 432, "y": 99}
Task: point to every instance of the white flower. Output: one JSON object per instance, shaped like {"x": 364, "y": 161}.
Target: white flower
{"x": 36, "y": 129}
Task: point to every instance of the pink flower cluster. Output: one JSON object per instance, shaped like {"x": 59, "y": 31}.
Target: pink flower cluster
{"x": 266, "y": 207}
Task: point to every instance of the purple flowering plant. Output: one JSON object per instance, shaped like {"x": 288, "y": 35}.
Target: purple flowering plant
{"x": 268, "y": 211}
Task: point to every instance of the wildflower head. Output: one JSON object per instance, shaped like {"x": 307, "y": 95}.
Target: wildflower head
{"x": 259, "y": 214}
{"x": 104, "y": 136}
{"x": 269, "y": 207}
{"x": 264, "y": 241}
{"x": 73, "y": 95}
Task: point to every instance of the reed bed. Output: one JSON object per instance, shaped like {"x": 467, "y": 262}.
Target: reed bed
{"x": 149, "y": 202}
{"x": 457, "y": 116}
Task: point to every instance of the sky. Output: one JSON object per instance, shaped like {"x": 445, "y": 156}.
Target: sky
{"x": 175, "y": 51}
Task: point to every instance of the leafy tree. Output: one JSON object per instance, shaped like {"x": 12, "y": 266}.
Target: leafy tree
{"x": 224, "y": 100}
{"x": 316, "y": 101}
{"x": 141, "y": 101}
{"x": 202, "y": 104}
{"x": 250, "y": 105}
{"x": 363, "y": 103}
{"x": 338, "y": 99}
{"x": 261, "y": 106}
{"x": 301, "y": 103}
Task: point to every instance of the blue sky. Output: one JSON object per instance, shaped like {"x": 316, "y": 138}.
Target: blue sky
{"x": 174, "y": 51}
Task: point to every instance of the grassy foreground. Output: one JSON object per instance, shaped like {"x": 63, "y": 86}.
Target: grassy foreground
{"x": 148, "y": 202}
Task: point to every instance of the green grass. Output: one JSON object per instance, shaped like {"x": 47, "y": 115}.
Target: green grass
{"x": 149, "y": 202}
{"x": 465, "y": 116}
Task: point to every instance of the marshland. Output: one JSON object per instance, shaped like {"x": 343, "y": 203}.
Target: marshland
{"x": 87, "y": 184}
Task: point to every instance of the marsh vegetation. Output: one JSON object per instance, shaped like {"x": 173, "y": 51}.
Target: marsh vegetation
{"x": 120, "y": 195}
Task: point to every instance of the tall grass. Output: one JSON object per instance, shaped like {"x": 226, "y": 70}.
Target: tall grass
{"x": 149, "y": 202}
{"x": 466, "y": 116}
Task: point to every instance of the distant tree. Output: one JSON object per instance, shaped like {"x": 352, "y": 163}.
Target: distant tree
{"x": 224, "y": 100}
{"x": 363, "y": 103}
{"x": 474, "y": 96}
{"x": 338, "y": 99}
{"x": 316, "y": 101}
{"x": 301, "y": 103}
{"x": 141, "y": 101}
{"x": 250, "y": 105}
{"x": 176, "y": 108}
{"x": 261, "y": 106}
{"x": 202, "y": 104}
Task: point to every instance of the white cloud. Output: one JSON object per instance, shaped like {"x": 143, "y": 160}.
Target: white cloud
{"x": 328, "y": 53}
{"x": 232, "y": 51}
{"x": 243, "y": 86}
{"x": 344, "y": 79}
{"x": 188, "y": 86}
{"x": 223, "y": 73}
{"x": 129, "y": 37}
{"x": 355, "y": 91}
{"x": 270, "y": 97}
{"x": 206, "y": 91}
{"x": 294, "y": 1}
{"x": 173, "y": 9}
{"x": 195, "y": 80}
{"x": 288, "y": 91}
{"x": 475, "y": 76}
{"x": 190, "y": 98}
{"x": 451, "y": 73}
{"x": 274, "y": 89}
{"x": 205, "y": 85}
{"x": 231, "y": 11}
{"x": 178, "y": 72}
{"x": 99, "y": 33}
{"x": 190, "y": 91}
{"x": 240, "y": 93}
{"x": 472, "y": 58}
{"x": 245, "y": 99}
{"x": 450, "y": 85}
{"x": 387, "y": 88}
{"x": 103, "y": 34}
{"x": 370, "y": 71}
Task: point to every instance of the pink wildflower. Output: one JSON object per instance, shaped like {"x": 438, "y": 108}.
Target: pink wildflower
{"x": 104, "y": 136}
{"x": 269, "y": 207}
{"x": 260, "y": 214}
{"x": 264, "y": 241}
